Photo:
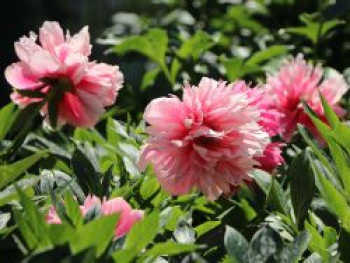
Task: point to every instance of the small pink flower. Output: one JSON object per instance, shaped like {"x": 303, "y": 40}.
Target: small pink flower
{"x": 128, "y": 216}
{"x": 206, "y": 141}
{"x": 298, "y": 80}
{"x": 272, "y": 157}
{"x": 52, "y": 216}
{"x": 61, "y": 62}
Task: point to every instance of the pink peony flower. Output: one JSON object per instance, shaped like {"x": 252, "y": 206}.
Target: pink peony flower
{"x": 206, "y": 141}
{"x": 60, "y": 63}
{"x": 127, "y": 219}
{"x": 298, "y": 80}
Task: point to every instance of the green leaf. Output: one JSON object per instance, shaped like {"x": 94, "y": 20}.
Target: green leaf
{"x": 265, "y": 243}
{"x": 8, "y": 115}
{"x": 98, "y": 233}
{"x": 293, "y": 252}
{"x": 302, "y": 186}
{"x": 124, "y": 255}
{"x": 263, "y": 179}
{"x": 236, "y": 68}
{"x": 317, "y": 243}
{"x": 206, "y": 227}
{"x": 153, "y": 45}
{"x": 87, "y": 176}
{"x": 330, "y": 114}
{"x": 277, "y": 198}
{"x": 266, "y": 54}
{"x": 236, "y": 245}
{"x": 336, "y": 202}
{"x": 149, "y": 78}
{"x": 10, "y": 172}
{"x": 10, "y": 192}
{"x": 196, "y": 45}
{"x": 31, "y": 223}
{"x": 313, "y": 30}
{"x": 315, "y": 148}
{"x": 170, "y": 248}
{"x": 143, "y": 232}
{"x": 72, "y": 209}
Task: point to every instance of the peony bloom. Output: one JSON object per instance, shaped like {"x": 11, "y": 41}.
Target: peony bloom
{"x": 206, "y": 141}
{"x": 298, "y": 80}
{"x": 59, "y": 68}
{"x": 127, "y": 219}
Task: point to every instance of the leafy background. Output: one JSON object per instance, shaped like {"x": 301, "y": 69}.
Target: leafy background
{"x": 303, "y": 214}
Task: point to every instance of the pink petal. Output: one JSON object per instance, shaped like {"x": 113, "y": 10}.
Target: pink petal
{"x": 51, "y": 35}
{"x": 20, "y": 76}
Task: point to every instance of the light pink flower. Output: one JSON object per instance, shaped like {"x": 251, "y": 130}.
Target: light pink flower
{"x": 84, "y": 88}
{"x": 128, "y": 216}
{"x": 298, "y": 80}
{"x": 206, "y": 141}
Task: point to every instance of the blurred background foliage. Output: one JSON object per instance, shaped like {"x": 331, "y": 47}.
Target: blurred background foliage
{"x": 225, "y": 39}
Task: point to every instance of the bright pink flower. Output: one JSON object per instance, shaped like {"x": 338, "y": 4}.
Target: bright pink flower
{"x": 298, "y": 80}
{"x": 206, "y": 141}
{"x": 85, "y": 89}
{"x": 272, "y": 157}
{"x": 128, "y": 216}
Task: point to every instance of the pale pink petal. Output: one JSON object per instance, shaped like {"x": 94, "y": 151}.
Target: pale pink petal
{"x": 51, "y": 35}
{"x": 26, "y": 47}
{"x": 80, "y": 42}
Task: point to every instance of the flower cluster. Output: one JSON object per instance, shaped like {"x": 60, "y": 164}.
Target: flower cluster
{"x": 128, "y": 216}
{"x": 209, "y": 140}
